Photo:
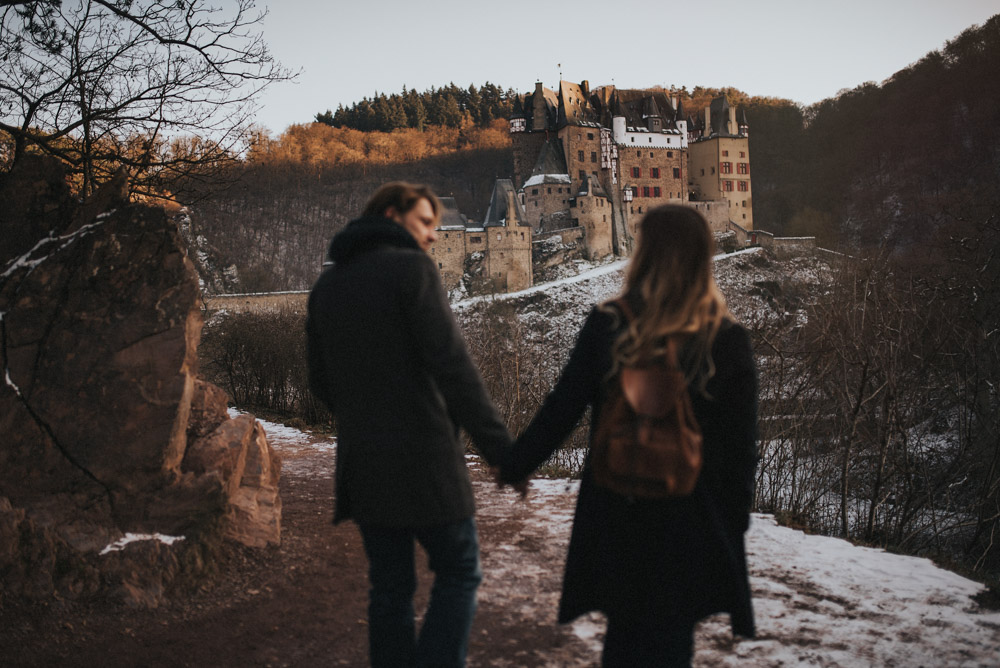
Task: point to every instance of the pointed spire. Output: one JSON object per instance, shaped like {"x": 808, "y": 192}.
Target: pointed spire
{"x": 518, "y": 108}
{"x": 616, "y": 106}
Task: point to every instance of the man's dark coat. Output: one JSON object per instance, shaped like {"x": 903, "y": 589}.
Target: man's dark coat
{"x": 655, "y": 562}
{"x": 388, "y": 359}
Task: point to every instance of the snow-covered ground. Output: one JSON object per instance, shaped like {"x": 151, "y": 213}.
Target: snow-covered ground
{"x": 819, "y": 601}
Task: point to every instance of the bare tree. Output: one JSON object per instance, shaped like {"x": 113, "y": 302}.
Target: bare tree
{"x": 163, "y": 88}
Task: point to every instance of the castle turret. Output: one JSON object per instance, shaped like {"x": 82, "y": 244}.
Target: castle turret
{"x": 518, "y": 122}
{"x": 651, "y": 114}
{"x": 680, "y": 120}
{"x": 618, "y": 122}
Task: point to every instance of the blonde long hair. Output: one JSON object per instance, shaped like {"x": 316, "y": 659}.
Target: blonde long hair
{"x": 670, "y": 286}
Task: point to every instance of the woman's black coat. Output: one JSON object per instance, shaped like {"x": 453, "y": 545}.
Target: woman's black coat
{"x": 656, "y": 561}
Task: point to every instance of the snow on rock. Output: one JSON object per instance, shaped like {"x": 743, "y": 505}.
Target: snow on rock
{"x": 137, "y": 537}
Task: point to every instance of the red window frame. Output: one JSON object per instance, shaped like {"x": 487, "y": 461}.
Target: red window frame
{"x": 637, "y": 172}
{"x": 654, "y": 172}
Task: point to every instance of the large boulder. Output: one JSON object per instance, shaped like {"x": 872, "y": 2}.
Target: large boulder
{"x": 99, "y": 402}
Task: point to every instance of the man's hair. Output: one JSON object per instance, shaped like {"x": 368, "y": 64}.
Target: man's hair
{"x": 402, "y": 197}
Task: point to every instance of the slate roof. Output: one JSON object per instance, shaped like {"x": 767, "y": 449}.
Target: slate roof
{"x": 592, "y": 186}
{"x": 551, "y": 159}
{"x": 497, "y": 214}
{"x": 450, "y": 215}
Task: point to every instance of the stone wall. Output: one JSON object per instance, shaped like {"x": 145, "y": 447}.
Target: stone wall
{"x": 544, "y": 200}
{"x": 583, "y": 152}
{"x": 449, "y": 253}
{"x": 594, "y": 215}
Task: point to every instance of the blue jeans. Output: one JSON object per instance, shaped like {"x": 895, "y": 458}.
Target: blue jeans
{"x": 453, "y": 556}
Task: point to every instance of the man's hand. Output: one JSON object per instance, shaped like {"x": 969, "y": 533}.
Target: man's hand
{"x": 520, "y": 487}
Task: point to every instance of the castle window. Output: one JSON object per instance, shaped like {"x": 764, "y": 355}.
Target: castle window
{"x": 645, "y": 191}
{"x": 440, "y": 265}
{"x": 636, "y": 172}
{"x": 593, "y": 156}
{"x": 725, "y": 168}
{"x": 590, "y": 135}
{"x": 476, "y": 240}
{"x": 744, "y": 216}
{"x": 743, "y": 154}
{"x": 727, "y": 186}
{"x": 725, "y": 154}
{"x": 656, "y": 191}
{"x": 549, "y": 191}
{"x": 650, "y": 154}
{"x": 638, "y": 154}
{"x": 633, "y": 138}
{"x": 654, "y": 172}
{"x": 650, "y": 141}
{"x": 640, "y": 209}
{"x": 703, "y": 172}
{"x": 605, "y": 218}
{"x": 445, "y": 235}
{"x": 536, "y": 204}
{"x": 713, "y": 169}
{"x": 743, "y": 187}
{"x": 583, "y": 175}
{"x": 534, "y": 191}
{"x": 670, "y": 154}
{"x": 742, "y": 168}
{"x": 572, "y": 204}
{"x": 522, "y": 236}
{"x": 499, "y": 236}
{"x": 677, "y": 172}
{"x": 579, "y": 156}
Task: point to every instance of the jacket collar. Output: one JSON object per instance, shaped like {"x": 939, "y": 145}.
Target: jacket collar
{"x": 367, "y": 234}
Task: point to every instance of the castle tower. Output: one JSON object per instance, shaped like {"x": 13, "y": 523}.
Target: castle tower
{"x": 508, "y": 240}
{"x": 719, "y": 163}
{"x": 592, "y": 211}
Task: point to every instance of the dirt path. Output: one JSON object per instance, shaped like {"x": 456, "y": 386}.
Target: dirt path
{"x": 819, "y": 601}
{"x": 300, "y": 604}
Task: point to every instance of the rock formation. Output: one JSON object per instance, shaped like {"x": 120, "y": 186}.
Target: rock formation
{"x": 104, "y": 427}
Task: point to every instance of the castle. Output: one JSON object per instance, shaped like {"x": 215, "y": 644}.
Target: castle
{"x": 587, "y": 165}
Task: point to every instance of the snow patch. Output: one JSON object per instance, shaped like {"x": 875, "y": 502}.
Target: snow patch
{"x": 136, "y": 537}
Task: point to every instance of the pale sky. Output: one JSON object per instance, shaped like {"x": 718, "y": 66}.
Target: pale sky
{"x": 803, "y": 50}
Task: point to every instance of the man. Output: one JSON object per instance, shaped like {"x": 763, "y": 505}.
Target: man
{"x": 388, "y": 359}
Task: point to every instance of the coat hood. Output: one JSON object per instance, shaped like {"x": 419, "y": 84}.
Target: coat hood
{"x": 366, "y": 234}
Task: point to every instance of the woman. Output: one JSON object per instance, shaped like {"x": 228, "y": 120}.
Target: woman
{"x": 655, "y": 567}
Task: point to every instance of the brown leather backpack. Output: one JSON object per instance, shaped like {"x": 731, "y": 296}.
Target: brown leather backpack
{"x": 647, "y": 442}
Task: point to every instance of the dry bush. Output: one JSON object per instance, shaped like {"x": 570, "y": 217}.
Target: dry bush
{"x": 260, "y": 359}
